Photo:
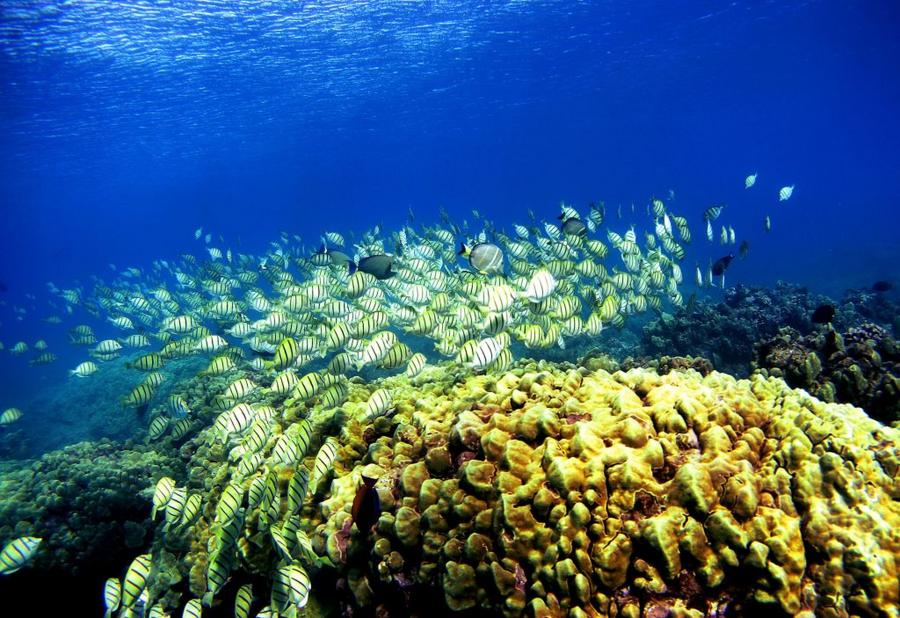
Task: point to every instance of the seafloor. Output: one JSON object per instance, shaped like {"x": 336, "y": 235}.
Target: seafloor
{"x": 640, "y": 480}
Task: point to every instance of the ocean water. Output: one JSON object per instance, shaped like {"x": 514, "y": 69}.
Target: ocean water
{"x": 127, "y": 125}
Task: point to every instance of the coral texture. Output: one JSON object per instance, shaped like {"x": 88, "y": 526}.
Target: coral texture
{"x": 88, "y": 502}
{"x": 860, "y": 366}
{"x": 556, "y": 490}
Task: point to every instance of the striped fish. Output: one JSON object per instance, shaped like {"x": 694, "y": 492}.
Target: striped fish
{"x": 291, "y": 587}
{"x": 236, "y": 420}
{"x": 242, "y": 601}
{"x": 147, "y": 362}
{"x": 324, "y": 462}
{"x": 249, "y": 464}
{"x": 377, "y": 348}
{"x": 210, "y": 344}
{"x": 136, "y": 580}
{"x": 285, "y": 452}
{"x": 192, "y": 609}
{"x": 217, "y": 572}
{"x": 112, "y": 595}
{"x": 18, "y": 552}
{"x": 239, "y": 389}
{"x": 175, "y": 505}
{"x": 286, "y": 353}
{"x": 180, "y": 428}
{"x": 85, "y": 369}
{"x": 158, "y": 427}
{"x": 378, "y": 404}
{"x": 229, "y": 503}
{"x": 333, "y": 396}
{"x": 191, "y": 510}
{"x": 180, "y": 324}
{"x": 541, "y": 285}
{"x": 10, "y": 415}
{"x": 220, "y": 365}
{"x": 280, "y": 542}
{"x": 297, "y": 489}
{"x": 284, "y": 382}
{"x": 178, "y": 407}
{"x": 161, "y": 494}
{"x": 157, "y": 612}
{"x": 254, "y": 441}
{"x": 139, "y": 396}
{"x": 308, "y": 386}
{"x": 305, "y": 546}
{"x": 415, "y": 365}
{"x": 485, "y": 353}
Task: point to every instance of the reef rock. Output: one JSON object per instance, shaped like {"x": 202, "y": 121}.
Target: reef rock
{"x": 860, "y": 366}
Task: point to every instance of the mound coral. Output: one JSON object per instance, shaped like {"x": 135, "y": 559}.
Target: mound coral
{"x": 557, "y": 490}
{"x": 860, "y": 366}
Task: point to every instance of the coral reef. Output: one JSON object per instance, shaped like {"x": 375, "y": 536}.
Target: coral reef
{"x": 88, "y": 502}
{"x": 549, "y": 490}
{"x": 860, "y": 366}
{"x": 556, "y": 490}
{"x": 724, "y": 332}
{"x": 859, "y": 306}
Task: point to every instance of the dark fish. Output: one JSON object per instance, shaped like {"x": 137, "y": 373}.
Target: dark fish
{"x": 744, "y": 249}
{"x": 366, "y": 505}
{"x": 823, "y": 314}
{"x": 485, "y": 257}
{"x": 878, "y": 286}
{"x": 721, "y": 265}
{"x": 338, "y": 258}
{"x": 379, "y": 266}
{"x": 574, "y": 227}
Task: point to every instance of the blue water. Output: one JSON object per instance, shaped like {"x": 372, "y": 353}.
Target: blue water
{"x": 125, "y": 126}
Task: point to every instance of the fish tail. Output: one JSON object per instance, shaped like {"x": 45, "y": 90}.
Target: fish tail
{"x": 351, "y": 267}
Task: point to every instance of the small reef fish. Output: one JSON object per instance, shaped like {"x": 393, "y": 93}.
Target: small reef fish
{"x": 721, "y": 265}
{"x": 785, "y": 193}
{"x": 750, "y": 180}
{"x": 379, "y": 266}
{"x": 17, "y": 553}
{"x": 112, "y": 595}
{"x": 10, "y": 415}
{"x": 484, "y": 257}
{"x": 366, "y": 507}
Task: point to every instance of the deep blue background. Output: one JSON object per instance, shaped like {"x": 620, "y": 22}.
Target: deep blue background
{"x": 125, "y": 128}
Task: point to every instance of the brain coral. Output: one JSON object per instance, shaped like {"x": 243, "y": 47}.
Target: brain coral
{"x": 554, "y": 490}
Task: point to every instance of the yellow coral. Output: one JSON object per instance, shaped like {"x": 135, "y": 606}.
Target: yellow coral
{"x": 565, "y": 490}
